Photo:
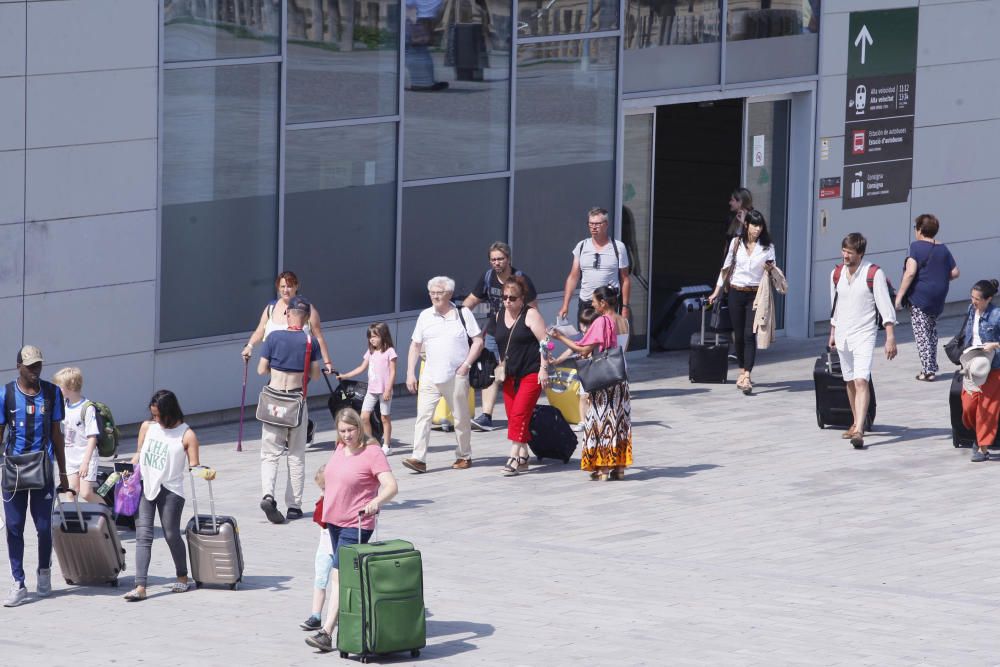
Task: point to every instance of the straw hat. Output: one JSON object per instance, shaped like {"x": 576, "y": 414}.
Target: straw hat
{"x": 975, "y": 363}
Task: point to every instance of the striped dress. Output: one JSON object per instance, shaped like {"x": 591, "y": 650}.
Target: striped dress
{"x": 607, "y": 427}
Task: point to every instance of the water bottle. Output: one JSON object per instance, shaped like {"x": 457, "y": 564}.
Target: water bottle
{"x": 109, "y": 483}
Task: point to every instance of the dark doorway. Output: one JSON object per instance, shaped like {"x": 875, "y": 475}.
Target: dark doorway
{"x": 697, "y": 166}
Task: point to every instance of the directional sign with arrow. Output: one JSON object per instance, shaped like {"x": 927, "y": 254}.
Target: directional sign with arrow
{"x": 864, "y": 38}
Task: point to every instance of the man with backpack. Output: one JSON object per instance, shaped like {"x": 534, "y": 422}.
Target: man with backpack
{"x": 598, "y": 261}
{"x": 862, "y": 304}
{"x": 32, "y": 410}
{"x": 490, "y": 289}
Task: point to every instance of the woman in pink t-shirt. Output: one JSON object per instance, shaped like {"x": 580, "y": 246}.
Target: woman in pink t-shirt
{"x": 607, "y": 443}
{"x": 357, "y": 480}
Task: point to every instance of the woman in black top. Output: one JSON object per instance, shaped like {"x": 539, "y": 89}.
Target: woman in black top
{"x": 519, "y": 331}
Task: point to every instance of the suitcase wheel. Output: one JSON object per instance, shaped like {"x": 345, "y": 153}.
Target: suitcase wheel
{"x": 565, "y": 461}
{"x": 197, "y": 584}
{"x": 415, "y": 653}
{"x": 819, "y": 419}
{"x": 365, "y": 659}
{"x": 113, "y": 583}
{"x": 538, "y": 458}
{"x": 233, "y": 585}
{"x": 70, "y": 582}
{"x": 343, "y": 654}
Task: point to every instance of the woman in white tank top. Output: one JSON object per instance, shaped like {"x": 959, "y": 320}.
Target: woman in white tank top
{"x": 274, "y": 319}
{"x": 167, "y": 448}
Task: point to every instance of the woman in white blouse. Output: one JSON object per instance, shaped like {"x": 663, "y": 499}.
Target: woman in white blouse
{"x": 749, "y": 256}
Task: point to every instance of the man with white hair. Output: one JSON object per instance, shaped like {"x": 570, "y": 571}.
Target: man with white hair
{"x": 442, "y": 333}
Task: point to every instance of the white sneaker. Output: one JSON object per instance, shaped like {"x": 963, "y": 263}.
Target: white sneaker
{"x": 386, "y": 449}
{"x": 578, "y": 428}
{"x": 44, "y": 588}
{"x": 18, "y": 594}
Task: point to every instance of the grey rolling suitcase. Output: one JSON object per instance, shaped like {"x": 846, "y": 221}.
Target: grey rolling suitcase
{"x": 213, "y": 545}
{"x": 87, "y": 544}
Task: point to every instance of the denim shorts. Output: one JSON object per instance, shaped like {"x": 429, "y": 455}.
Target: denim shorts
{"x": 344, "y": 536}
{"x": 324, "y": 563}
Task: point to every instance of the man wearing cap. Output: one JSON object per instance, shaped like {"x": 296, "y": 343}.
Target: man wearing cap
{"x": 283, "y": 355}
{"x": 859, "y": 292}
{"x": 32, "y": 408}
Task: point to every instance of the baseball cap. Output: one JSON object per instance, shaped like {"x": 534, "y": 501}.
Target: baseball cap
{"x": 29, "y": 355}
{"x": 299, "y": 303}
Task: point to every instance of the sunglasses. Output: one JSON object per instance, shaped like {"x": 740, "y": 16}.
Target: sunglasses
{"x": 509, "y": 297}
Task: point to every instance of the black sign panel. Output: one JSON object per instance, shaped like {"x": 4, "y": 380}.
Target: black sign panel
{"x": 881, "y": 96}
{"x": 877, "y": 184}
{"x": 871, "y": 141}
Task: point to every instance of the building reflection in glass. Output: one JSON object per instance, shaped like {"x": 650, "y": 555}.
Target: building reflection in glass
{"x": 208, "y": 29}
{"x": 650, "y": 23}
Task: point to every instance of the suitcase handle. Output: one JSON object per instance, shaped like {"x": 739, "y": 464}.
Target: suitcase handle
{"x": 62, "y": 511}
{"x": 211, "y": 501}
{"x": 361, "y": 515}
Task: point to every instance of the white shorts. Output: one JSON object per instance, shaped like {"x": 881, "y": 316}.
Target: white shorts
{"x": 856, "y": 361}
{"x": 368, "y": 405}
{"x": 73, "y": 468}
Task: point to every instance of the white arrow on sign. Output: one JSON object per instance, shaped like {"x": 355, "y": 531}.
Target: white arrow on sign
{"x": 863, "y": 37}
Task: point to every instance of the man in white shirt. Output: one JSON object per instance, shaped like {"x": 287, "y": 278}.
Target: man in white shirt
{"x": 857, "y": 301}
{"x": 442, "y": 333}
{"x": 598, "y": 261}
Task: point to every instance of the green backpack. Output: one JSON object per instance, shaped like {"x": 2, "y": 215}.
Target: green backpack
{"x": 107, "y": 430}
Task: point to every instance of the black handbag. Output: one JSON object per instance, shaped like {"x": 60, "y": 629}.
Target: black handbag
{"x": 26, "y": 472}
{"x": 483, "y": 369}
{"x": 956, "y": 346}
{"x": 602, "y": 370}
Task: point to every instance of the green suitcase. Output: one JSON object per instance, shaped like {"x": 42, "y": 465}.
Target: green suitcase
{"x": 381, "y": 600}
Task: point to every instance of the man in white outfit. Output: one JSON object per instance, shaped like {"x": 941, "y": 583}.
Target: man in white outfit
{"x": 859, "y": 292}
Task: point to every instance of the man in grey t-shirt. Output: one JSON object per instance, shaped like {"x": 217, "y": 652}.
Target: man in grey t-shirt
{"x": 597, "y": 261}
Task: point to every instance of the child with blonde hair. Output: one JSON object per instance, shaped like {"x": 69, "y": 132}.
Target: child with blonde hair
{"x": 80, "y": 432}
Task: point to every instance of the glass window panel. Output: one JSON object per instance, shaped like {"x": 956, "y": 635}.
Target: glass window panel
{"x": 540, "y": 18}
{"x": 458, "y": 88}
{"x": 343, "y": 60}
{"x": 449, "y": 240}
{"x": 210, "y": 29}
{"x": 340, "y": 206}
{"x": 565, "y": 150}
{"x": 671, "y": 44}
{"x": 771, "y": 41}
{"x": 219, "y": 227}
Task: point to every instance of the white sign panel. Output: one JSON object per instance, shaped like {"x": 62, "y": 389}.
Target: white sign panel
{"x": 758, "y": 150}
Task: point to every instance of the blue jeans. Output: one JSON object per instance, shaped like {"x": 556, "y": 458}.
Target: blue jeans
{"x": 16, "y": 516}
{"x": 341, "y": 536}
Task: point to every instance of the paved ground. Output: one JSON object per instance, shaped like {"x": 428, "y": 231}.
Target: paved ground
{"x": 743, "y": 536}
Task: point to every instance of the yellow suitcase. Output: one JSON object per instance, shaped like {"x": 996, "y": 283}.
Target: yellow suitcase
{"x": 563, "y": 393}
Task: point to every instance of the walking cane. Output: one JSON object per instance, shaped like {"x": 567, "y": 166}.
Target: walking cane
{"x": 243, "y": 405}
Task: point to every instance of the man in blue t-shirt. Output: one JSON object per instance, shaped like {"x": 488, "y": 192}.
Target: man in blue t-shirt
{"x": 284, "y": 356}
{"x": 32, "y": 410}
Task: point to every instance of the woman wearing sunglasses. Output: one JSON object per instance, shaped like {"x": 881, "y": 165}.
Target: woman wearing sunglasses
{"x": 519, "y": 331}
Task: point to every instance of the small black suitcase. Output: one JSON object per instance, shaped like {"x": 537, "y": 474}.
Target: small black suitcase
{"x": 832, "y": 406}
{"x": 351, "y": 394}
{"x": 708, "y": 362}
{"x": 551, "y": 436}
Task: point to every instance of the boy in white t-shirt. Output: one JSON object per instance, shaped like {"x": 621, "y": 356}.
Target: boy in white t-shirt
{"x": 80, "y": 432}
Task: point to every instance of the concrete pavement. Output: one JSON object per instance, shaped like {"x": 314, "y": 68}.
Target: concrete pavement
{"x": 742, "y": 536}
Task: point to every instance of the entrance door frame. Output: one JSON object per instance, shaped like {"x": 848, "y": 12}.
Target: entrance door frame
{"x": 801, "y": 206}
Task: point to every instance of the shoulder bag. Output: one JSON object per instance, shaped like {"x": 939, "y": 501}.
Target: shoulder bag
{"x": 501, "y": 369}
{"x": 483, "y": 370}
{"x": 956, "y": 345}
{"x": 602, "y": 369}
{"x": 285, "y": 408}
{"x": 31, "y": 471}
{"x": 721, "y": 320}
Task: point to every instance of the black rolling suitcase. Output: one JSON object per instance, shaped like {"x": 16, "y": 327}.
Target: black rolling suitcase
{"x": 708, "y": 362}
{"x": 832, "y": 406}
{"x": 351, "y": 394}
{"x": 551, "y": 436}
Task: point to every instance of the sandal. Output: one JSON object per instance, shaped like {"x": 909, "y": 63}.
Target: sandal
{"x": 510, "y": 469}
{"x": 616, "y": 475}
{"x": 848, "y": 434}
{"x": 180, "y": 587}
{"x": 598, "y": 476}
{"x": 926, "y": 377}
{"x": 135, "y": 595}
{"x": 747, "y": 385}
{"x": 522, "y": 464}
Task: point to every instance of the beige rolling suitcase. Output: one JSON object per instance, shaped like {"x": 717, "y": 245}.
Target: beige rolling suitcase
{"x": 86, "y": 543}
{"x": 213, "y": 545}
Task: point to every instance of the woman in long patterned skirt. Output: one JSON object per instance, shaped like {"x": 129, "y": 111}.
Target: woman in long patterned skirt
{"x": 607, "y": 443}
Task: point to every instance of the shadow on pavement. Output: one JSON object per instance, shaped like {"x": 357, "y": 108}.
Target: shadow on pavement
{"x": 666, "y": 392}
{"x": 271, "y": 583}
{"x": 458, "y": 645}
{"x": 900, "y": 434}
{"x": 651, "y": 472}
{"x": 792, "y": 386}
{"x": 409, "y": 503}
